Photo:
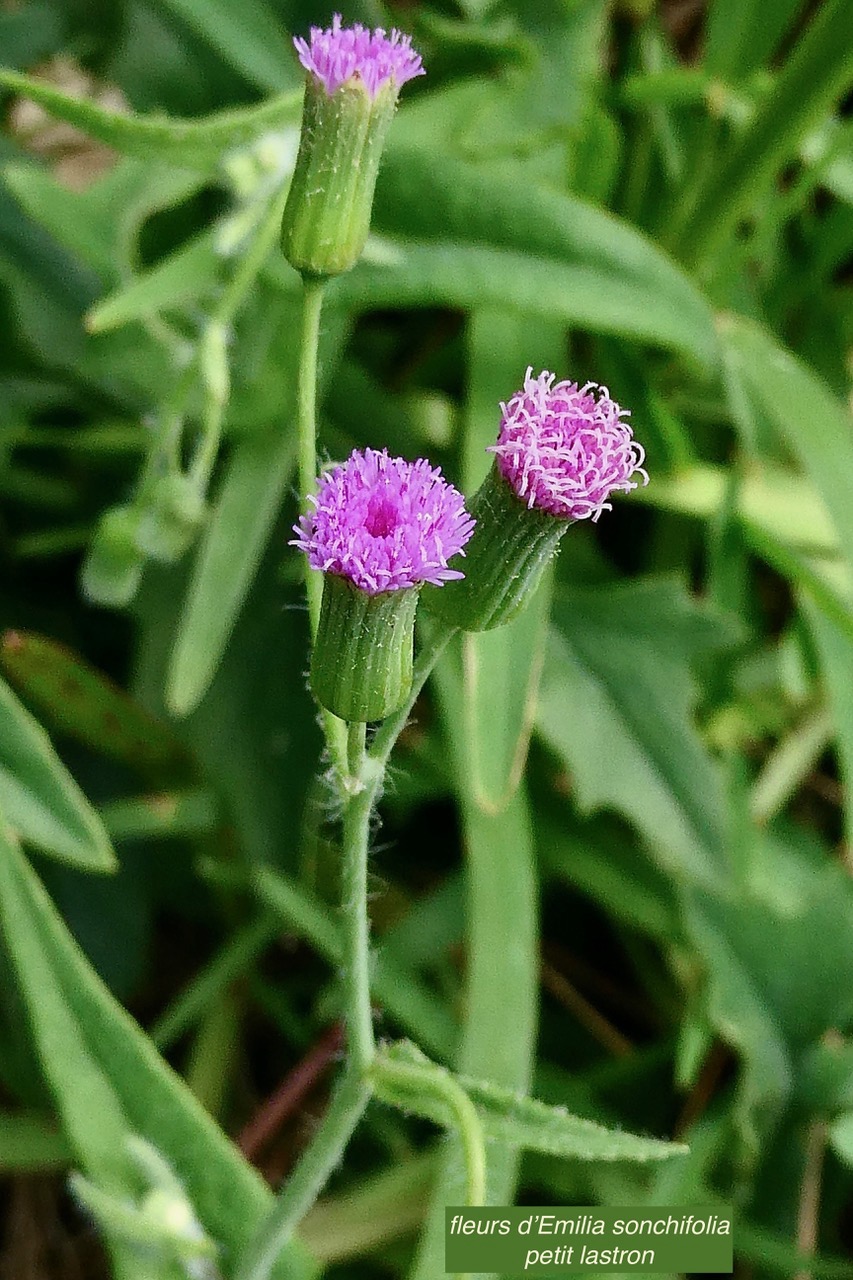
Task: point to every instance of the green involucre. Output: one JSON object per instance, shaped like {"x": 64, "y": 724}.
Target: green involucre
{"x": 504, "y": 561}
{"x": 361, "y": 667}
{"x": 327, "y": 217}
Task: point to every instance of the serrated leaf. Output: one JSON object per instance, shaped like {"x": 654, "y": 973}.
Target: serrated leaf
{"x": 193, "y": 144}
{"x": 41, "y": 800}
{"x": 515, "y": 1120}
{"x": 615, "y": 703}
{"x": 772, "y": 1013}
{"x": 107, "y": 1079}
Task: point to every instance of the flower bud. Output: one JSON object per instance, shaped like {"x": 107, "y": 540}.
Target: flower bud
{"x": 113, "y": 567}
{"x": 562, "y": 450}
{"x": 171, "y": 518}
{"x": 353, "y": 79}
{"x": 380, "y": 528}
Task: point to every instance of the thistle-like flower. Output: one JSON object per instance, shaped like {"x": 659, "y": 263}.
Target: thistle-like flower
{"x": 340, "y": 53}
{"x": 379, "y": 529}
{"x": 562, "y": 450}
{"x": 384, "y": 523}
{"x": 353, "y": 78}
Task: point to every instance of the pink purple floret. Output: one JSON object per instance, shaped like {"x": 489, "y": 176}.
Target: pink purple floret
{"x": 337, "y": 54}
{"x": 384, "y": 523}
{"x": 564, "y": 448}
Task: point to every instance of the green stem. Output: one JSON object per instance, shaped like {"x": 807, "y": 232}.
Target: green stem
{"x": 165, "y": 449}
{"x": 361, "y": 775}
{"x": 362, "y": 786}
{"x": 306, "y": 420}
{"x": 307, "y": 1179}
{"x": 409, "y": 1077}
{"x": 365, "y": 773}
{"x": 306, "y": 426}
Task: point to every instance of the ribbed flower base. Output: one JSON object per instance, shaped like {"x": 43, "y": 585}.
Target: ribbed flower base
{"x": 504, "y": 560}
{"x": 361, "y": 668}
{"x": 327, "y": 217}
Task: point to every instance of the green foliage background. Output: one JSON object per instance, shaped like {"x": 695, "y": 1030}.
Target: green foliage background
{"x": 615, "y": 863}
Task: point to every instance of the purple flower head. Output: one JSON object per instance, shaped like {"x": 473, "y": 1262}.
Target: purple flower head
{"x": 565, "y": 449}
{"x": 385, "y": 523}
{"x": 339, "y": 53}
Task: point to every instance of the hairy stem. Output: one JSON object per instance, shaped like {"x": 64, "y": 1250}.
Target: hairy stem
{"x": 361, "y": 774}
{"x": 308, "y": 1178}
{"x": 306, "y": 421}
{"x": 362, "y": 786}
{"x": 306, "y": 426}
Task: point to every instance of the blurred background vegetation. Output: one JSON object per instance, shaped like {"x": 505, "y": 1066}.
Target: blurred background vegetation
{"x": 614, "y": 865}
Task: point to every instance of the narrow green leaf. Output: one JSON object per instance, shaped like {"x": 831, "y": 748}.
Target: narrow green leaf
{"x": 248, "y": 37}
{"x": 193, "y": 144}
{"x": 811, "y": 421}
{"x": 407, "y": 999}
{"x": 108, "y": 1081}
{"x": 818, "y": 71}
{"x": 778, "y": 501}
{"x": 742, "y": 34}
{"x": 31, "y": 1143}
{"x": 789, "y": 763}
{"x": 518, "y": 1121}
{"x": 167, "y": 813}
{"x": 234, "y": 541}
{"x": 502, "y": 672}
{"x": 371, "y": 1213}
{"x": 502, "y": 981}
{"x": 186, "y": 274}
{"x": 438, "y": 200}
{"x": 592, "y": 296}
{"x": 236, "y": 958}
{"x": 41, "y": 800}
{"x": 835, "y": 649}
{"x": 81, "y": 702}
{"x": 783, "y": 520}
